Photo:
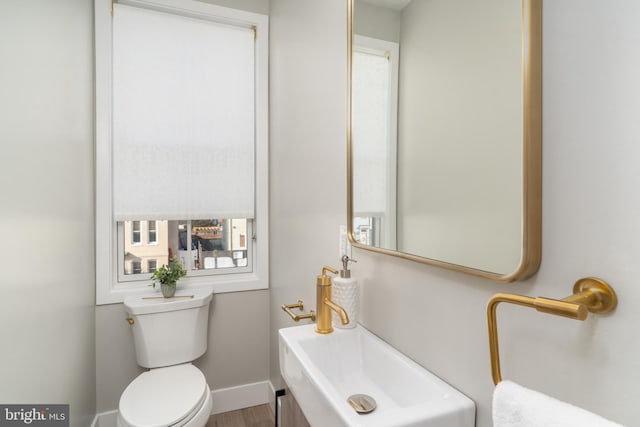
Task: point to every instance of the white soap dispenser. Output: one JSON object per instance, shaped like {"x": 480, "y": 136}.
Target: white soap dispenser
{"x": 345, "y": 293}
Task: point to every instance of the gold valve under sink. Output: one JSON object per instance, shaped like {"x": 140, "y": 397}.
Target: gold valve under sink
{"x": 297, "y": 317}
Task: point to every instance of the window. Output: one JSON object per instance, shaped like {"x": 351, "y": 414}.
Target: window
{"x": 152, "y": 237}
{"x": 135, "y": 233}
{"x": 181, "y": 111}
{"x": 136, "y": 267}
{"x": 203, "y": 246}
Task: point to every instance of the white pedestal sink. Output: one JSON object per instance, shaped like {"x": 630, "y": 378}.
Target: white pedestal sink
{"x": 322, "y": 371}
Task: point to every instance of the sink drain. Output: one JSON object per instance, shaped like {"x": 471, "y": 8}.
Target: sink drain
{"x": 362, "y": 403}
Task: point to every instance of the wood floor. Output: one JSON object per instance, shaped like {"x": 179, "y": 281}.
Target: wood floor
{"x": 256, "y": 416}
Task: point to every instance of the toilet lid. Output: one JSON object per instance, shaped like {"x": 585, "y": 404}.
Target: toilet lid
{"x": 163, "y": 397}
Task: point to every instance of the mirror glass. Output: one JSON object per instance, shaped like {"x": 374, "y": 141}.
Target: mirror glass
{"x": 444, "y": 145}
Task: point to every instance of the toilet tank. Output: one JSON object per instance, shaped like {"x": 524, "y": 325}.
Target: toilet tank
{"x": 169, "y": 331}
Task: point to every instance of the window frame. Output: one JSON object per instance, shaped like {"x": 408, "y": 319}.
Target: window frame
{"x": 108, "y": 288}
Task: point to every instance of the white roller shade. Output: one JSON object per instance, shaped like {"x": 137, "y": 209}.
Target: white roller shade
{"x": 370, "y": 133}
{"x": 183, "y": 117}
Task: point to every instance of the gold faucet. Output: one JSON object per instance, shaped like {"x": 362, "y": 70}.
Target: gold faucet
{"x": 324, "y": 305}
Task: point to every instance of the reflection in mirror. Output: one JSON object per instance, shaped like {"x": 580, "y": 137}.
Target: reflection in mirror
{"x": 375, "y": 110}
{"x": 445, "y": 133}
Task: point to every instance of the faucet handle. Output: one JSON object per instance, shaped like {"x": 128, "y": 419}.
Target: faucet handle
{"x": 331, "y": 269}
{"x": 296, "y": 317}
{"x": 325, "y": 280}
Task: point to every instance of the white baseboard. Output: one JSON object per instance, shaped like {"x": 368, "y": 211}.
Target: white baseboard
{"x": 224, "y": 400}
{"x": 243, "y": 396}
{"x": 105, "y": 419}
{"x": 272, "y": 397}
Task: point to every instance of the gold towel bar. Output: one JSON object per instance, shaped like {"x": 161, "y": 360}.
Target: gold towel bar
{"x": 589, "y": 295}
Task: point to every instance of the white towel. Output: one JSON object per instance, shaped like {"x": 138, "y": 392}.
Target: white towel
{"x": 517, "y": 406}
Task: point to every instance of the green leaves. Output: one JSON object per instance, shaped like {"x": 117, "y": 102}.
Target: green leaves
{"x": 169, "y": 274}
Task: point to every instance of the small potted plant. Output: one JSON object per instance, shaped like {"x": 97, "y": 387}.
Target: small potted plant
{"x": 168, "y": 276}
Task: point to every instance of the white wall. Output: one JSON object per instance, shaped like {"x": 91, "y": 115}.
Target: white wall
{"x": 46, "y": 218}
{"x": 591, "y": 207}
{"x": 377, "y": 22}
{"x": 307, "y": 150}
{"x": 256, "y": 6}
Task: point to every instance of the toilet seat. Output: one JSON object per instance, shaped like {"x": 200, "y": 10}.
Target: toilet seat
{"x": 165, "y": 397}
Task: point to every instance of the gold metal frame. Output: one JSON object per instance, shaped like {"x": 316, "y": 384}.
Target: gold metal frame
{"x": 532, "y": 153}
{"x": 590, "y": 295}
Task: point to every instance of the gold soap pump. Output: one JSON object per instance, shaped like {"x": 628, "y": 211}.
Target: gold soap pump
{"x": 324, "y": 304}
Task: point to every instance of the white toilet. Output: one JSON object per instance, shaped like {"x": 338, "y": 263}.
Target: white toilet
{"x": 168, "y": 334}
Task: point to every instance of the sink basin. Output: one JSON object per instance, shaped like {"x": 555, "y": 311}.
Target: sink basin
{"x": 323, "y": 371}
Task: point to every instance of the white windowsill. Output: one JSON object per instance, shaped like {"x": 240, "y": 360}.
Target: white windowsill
{"x": 222, "y": 284}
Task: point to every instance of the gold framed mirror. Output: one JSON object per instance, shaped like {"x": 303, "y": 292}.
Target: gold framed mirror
{"x": 444, "y": 133}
